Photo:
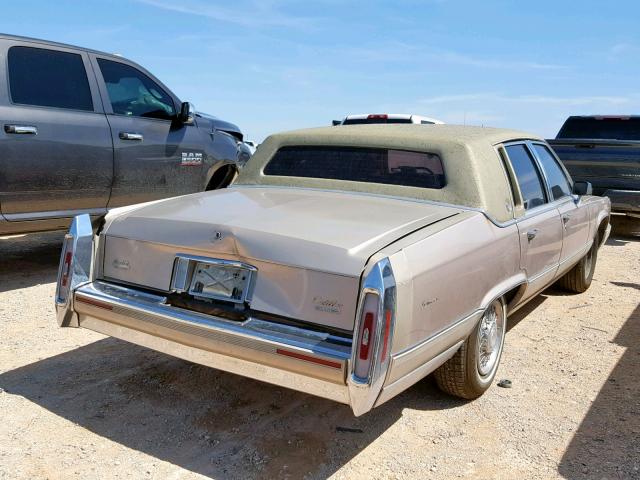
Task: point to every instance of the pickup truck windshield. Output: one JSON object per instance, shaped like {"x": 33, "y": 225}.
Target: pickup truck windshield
{"x": 371, "y": 165}
{"x": 622, "y": 128}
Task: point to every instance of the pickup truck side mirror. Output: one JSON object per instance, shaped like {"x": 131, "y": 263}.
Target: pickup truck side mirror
{"x": 582, "y": 188}
{"x": 187, "y": 113}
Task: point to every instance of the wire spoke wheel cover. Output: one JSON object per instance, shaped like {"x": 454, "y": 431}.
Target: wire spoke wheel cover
{"x": 490, "y": 339}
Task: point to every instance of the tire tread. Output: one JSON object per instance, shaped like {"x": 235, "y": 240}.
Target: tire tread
{"x": 574, "y": 280}
{"x": 451, "y": 376}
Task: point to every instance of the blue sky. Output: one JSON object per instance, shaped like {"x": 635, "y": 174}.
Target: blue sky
{"x": 277, "y": 65}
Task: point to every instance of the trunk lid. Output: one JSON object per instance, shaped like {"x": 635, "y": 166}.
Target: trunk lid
{"x": 309, "y": 247}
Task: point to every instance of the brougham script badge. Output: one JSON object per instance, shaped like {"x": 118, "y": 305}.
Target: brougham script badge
{"x": 121, "y": 264}
{"x": 327, "y": 305}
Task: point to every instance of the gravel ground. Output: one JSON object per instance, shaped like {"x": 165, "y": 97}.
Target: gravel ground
{"x": 75, "y": 404}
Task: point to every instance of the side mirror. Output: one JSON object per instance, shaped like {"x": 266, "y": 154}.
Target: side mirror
{"x": 187, "y": 113}
{"x": 582, "y": 188}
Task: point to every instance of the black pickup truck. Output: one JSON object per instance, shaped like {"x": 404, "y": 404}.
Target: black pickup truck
{"x": 605, "y": 151}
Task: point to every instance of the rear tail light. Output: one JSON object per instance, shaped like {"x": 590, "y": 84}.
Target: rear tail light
{"x": 64, "y": 276}
{"x": 367, "y": 337}
{"x": 372, "y": 352}
{"x": 388, "y": 316}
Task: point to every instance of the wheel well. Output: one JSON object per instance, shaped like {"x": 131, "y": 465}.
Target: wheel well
{"x": 602, "y": 229}
{"x": 222, "y": 177}
{"x": 513, "y": 295}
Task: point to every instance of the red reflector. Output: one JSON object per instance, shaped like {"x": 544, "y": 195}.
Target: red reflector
{"x": 94, "y": 303}
{"x": 308, "y": 358}
{"x": 387, "y": 331}
{"x": 66, "y": 267}
{"x": 366, "y": 336}
{"x": 376, "y": 116}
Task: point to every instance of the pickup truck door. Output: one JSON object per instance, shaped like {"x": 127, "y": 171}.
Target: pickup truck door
{"x": 155, "y": 156}
{"x": 540, "y": 228}
{"x": 56, "y": 155}
{"x": 573, "y": 212}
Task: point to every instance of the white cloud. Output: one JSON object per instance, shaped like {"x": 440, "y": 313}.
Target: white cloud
{"x": 475, "y": 61}
{"x": 404, "y": 52}
{"x": 541, "y": 114}
{"x": 253, "y": 14}
{"x": 529, "y": 99}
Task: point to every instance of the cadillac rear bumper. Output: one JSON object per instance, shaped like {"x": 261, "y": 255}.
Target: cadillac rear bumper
{"x": 300, "y": 359}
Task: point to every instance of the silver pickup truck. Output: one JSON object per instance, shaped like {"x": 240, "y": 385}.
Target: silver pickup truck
{"x": 84, "y": 131}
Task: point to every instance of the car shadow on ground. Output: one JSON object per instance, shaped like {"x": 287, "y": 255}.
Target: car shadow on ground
{"x": 607, "y": 443}
{"x": 27, "y": 260}
{"x": 205, "y": 420}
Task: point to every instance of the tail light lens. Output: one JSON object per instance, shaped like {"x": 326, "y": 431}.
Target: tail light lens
{"x": 388, "y": 316}
{"x": 64, "y": 276}
{"x": 375, "y": 327}
{"x": 367, "y": 336}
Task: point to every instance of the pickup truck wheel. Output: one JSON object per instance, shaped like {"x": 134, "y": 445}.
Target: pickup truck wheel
{"x": 222, "y": 178}
{"x": 578, "y": 279}
{"x": 470, "y": 372}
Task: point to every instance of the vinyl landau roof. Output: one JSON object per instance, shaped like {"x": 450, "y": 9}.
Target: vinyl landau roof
{"x": 474, "y": 171}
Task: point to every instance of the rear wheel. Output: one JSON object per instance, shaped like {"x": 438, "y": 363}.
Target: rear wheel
{"x": 470, "y": 372}
{"x": 578, "y": 279}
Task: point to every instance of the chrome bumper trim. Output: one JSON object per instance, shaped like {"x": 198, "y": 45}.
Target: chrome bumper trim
{"x": 300, "y": 359}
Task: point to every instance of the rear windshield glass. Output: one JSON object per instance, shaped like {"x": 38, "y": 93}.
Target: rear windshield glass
{"x": 372, "y": 165}
{"x": 601, "y": 128}
{"x": 365, "y": 121}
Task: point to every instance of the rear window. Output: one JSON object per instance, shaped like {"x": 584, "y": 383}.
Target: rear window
{"x": 48, "y": 78}
{"x": 601, "y": 128}
{"x": 365, "y": 121}
{"x": 371, "y": 165}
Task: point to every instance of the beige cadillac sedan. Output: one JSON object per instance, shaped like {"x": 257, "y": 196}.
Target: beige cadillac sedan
{"x": 347, "y": 263}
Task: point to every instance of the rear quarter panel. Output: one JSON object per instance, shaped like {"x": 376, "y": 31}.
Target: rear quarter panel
{"x": 450, "y": 274}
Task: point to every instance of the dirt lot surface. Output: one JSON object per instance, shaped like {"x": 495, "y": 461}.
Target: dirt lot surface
{"x": 74, "y": 404}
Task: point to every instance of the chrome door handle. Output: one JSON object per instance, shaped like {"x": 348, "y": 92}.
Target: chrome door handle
{"x": 21, "y": 129}
{"x": 531, "y": 234}
{"x": 131, "y": 136}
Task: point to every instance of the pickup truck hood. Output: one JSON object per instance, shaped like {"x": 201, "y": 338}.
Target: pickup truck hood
{"x": 214, "y": 123}
{"x": 310, "y": 247}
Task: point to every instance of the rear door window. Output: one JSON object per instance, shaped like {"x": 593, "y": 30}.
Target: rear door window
{"x": 558, "y": 182}
{"x": 357, "y": 164}
{"x": 48, "y": 78}
{"x": 133, "y": 93}
{"x": 528, "y": 176}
